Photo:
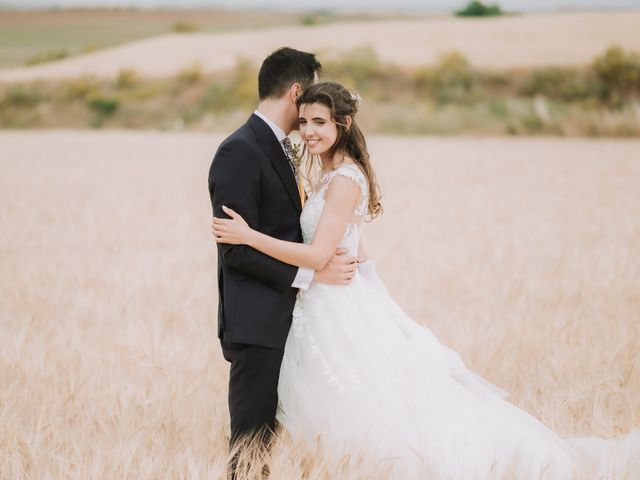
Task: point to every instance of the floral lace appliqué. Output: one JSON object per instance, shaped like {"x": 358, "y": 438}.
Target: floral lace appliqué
{"x": 339, "y": 372}
{"x": 315, "y": 204}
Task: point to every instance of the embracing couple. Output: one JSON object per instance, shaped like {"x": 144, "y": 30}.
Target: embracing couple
{"x": 313, "y": 337}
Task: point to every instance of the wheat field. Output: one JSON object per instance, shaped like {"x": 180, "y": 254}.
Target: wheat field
{"x": 518, "y": 41}
{"x": 523, "y": 255}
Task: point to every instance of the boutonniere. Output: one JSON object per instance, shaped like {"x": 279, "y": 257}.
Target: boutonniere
{"x": 297, "y": 151}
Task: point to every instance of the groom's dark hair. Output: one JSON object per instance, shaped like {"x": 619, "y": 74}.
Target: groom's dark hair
{"x": 283, "y": 68}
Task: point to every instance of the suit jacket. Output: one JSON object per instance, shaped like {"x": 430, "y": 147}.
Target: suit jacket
{"x": 251, "y": 174}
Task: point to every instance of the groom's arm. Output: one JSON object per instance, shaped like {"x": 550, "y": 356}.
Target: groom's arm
{"x": 234, "y": 181}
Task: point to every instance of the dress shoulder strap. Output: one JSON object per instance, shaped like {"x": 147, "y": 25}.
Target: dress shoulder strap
{"x": 354, "y": 173}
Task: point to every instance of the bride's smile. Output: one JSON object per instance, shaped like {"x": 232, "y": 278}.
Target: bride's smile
{"x": 317, "y": 129}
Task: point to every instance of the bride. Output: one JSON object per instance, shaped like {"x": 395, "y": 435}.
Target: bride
{"x": 360, "y": 375}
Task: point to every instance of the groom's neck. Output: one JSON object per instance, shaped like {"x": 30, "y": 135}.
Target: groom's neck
{"x": 276, "y": 111}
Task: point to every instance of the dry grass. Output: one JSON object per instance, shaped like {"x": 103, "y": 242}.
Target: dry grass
{"x": 524, "y": 255}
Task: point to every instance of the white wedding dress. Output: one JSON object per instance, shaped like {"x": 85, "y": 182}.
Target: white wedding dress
{"x": 361, "y": 377}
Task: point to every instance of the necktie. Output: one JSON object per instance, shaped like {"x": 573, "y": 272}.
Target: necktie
{"x": 288, "y": 150}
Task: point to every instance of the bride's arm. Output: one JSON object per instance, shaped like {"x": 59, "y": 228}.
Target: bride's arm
{"x": 340, "y": 200}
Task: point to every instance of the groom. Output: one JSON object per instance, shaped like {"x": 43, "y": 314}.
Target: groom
{"x": 253, "y": 173}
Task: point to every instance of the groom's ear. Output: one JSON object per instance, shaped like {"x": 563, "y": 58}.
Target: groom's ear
{"x": 295, "y": 91}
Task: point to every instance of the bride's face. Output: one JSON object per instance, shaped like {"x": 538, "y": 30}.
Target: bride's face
{"x": 317, "y": 129}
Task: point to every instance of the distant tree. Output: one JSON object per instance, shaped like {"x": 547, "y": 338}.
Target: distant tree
{"x": 479, "y": 9}
{"x": 310, "y": 19}
{"x": 185, "y": 26}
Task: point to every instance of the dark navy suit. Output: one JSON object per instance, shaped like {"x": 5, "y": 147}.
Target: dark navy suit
{"x": 251, "y": 174}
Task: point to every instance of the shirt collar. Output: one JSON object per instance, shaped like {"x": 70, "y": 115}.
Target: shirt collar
{"x": 277, "y": 131}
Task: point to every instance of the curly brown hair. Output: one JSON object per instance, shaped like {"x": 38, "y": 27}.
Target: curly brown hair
{"x": 350, "y": 140}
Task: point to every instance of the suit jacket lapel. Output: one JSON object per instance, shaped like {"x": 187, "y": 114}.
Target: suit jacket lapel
{"x": 269, "y": 143}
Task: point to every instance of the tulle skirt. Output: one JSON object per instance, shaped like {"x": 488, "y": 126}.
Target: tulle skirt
{"x": 359, "y": 377}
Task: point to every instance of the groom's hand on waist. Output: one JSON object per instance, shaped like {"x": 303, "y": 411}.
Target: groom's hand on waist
{"x": 340, "y": 269}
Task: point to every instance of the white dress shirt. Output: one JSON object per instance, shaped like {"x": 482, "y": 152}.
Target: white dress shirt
{"x": 304, "y": 277}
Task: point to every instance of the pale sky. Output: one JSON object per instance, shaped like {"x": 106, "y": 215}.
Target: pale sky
{"x": 446, "y": 5}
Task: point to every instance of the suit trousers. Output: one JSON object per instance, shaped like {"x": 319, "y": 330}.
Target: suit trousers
{"x": 253, "y": 388}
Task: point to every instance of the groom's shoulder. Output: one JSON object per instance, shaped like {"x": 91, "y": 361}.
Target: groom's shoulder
{"x": 243, "y": 132}
{"x": 242, "y": 141}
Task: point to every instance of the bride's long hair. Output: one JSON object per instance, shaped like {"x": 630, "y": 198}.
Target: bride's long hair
{"x": 350, "y": 140}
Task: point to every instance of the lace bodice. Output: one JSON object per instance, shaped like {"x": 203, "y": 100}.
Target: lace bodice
{"x": 315, "y": 204}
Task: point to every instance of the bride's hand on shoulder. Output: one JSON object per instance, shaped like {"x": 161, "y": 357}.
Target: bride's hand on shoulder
{"x": 232, "y": 230}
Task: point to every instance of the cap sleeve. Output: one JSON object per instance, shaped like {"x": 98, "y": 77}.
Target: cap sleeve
{"x": 354, "y": 173}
